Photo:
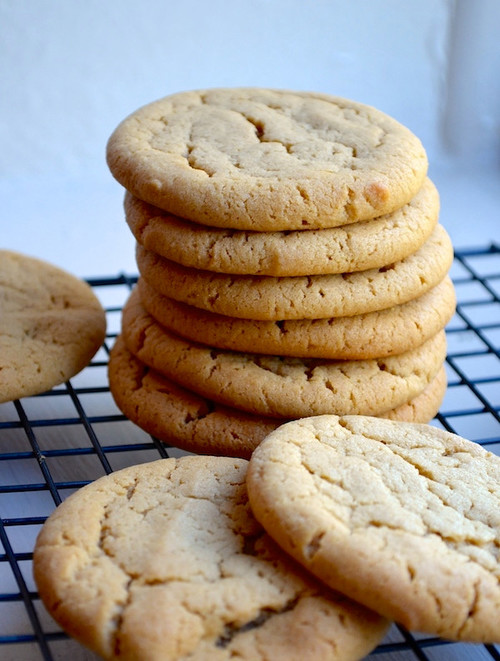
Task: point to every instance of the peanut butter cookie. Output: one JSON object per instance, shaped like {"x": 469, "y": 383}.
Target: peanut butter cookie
{"x": 356, "y": 247}
{"x": 51, "y": 325}
{"x": 402, "y": 517}
{"x": 282, "y": 386}
{"x": 165, "y": 562}
{"x": 180, "y": 417}
{"x": 302, "y": 297}
{"x": 267, "y": 160}
{"x": 372, "y": 335}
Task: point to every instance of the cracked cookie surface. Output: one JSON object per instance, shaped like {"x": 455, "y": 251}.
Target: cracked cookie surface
{"x": 282, "y": 386}
{"x": 401, "y": 516}
{"x": 301, "y": 297}
{"x": 179, "y": 416}
{"x": 372, "y": 335}
{"x": 51, "y": 325}
{"x": 266, "y": 160}
{"x": 355, "y": 247}
{"x": 164, "y": 561}
{"x": 182, "y": 418}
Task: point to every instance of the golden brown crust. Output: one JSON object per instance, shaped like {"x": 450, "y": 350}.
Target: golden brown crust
{"x": 51, "y": 325}
{"x": 194, "y": 423}
{"x": 179, "y": 416}
{"x": 280, "y": 386}
{"x": 165, "y": 562}
{"x": 372, "y": 335}
{"x": 355, "y": 247}
{"x": 425, "y": 406}
{"x": 302, "y": 297}
{"x": 397, "y": 515}
{"x": 266, "y": 160}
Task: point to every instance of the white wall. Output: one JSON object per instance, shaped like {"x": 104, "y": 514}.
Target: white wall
{"x": 71, "y": 70}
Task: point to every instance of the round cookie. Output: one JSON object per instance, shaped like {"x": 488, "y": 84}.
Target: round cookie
{"x": 266, "y": 160}
{"x": 179, "y": 416}
{"x": 372, "y": 335}
{"x": 164, "y": 561}
{"x": 425, "y": 406}
{"x": 280, "y": 386}
{"x": 51, "y": 325}
{"x": 193, "y": 423}
{"x": 401, "y": 516}
{"x": 302, "y": 297}
{"x": 356, "y": 247}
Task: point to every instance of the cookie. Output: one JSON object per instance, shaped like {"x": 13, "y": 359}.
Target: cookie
{"x": 51, "y": 325}
{"x": 179, "y": 416}
{"x": 194, "y": 423}
{"x": 356, "y": 247}
{"x": 402, "y": 517}
{"x": 372, "y": 335}
{"x": 280, "y": 386}
{"x": 301, "y": 297}
{"x": 165, "y": 561}
{"x": 425, "y": 406}
{"x": 267, "y": 160}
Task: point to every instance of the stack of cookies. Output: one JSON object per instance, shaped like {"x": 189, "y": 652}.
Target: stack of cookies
{"x": 291, "y": 264}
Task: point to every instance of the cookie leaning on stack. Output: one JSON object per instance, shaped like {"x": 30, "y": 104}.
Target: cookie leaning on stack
{"x": 279, "y": 234}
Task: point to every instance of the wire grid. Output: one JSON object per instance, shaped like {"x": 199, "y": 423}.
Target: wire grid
{"x": 54, "y": 443}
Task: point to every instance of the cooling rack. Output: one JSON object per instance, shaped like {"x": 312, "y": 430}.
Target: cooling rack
{"x": 55, "y": 443}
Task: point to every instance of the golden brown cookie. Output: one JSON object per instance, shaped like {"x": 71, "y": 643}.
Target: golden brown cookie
{"x": 402, "y": 517}
{"x": 425, "y": 406}
{"x": 372, "y": 335}
{"x": 355, "y": 247}
{"x": 51, "y": 325}
{"x": 280, "y": 386}
{"x": 267, "y": 160}
{"x": 194, "y": 423}
{"x": 164, "y": 561}
{"x": 179, "y": 416}
{"x": 302, "y": 297}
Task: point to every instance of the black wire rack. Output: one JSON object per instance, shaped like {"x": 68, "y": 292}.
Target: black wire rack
{"x": 56, "y": 442}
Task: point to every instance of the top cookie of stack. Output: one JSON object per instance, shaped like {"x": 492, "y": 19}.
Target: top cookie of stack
{"x": 292, "y": 224}
{"x": 267, "y": 160}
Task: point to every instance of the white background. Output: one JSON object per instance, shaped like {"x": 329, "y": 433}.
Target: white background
{"x": 70, "y": 71}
